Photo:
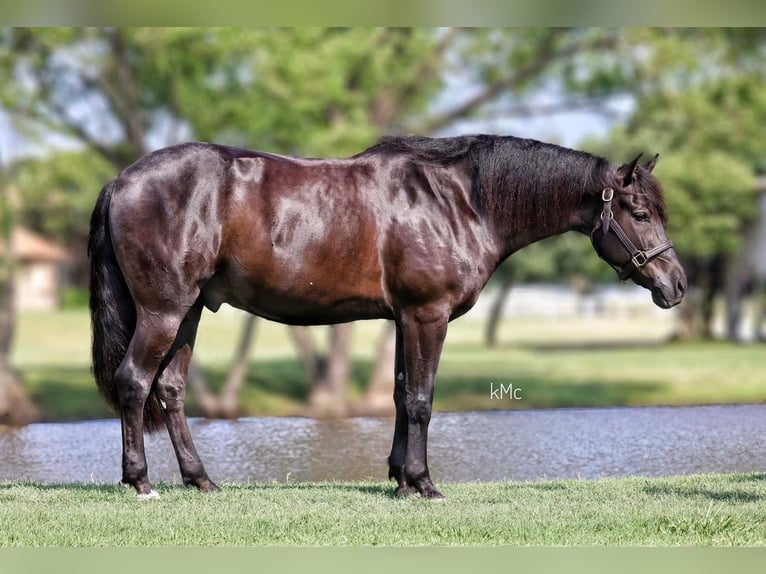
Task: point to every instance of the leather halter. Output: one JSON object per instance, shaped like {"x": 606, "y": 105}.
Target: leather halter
{"x": 638, "y": 257}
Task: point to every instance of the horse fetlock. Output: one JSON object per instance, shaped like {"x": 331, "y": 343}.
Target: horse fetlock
{"x": 396, "y": 471}
{"x": 134, "y": 473}
{"x": 414, "y": 474}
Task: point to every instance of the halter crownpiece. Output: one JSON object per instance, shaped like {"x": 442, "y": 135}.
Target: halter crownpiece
{"x": 638, "y": 257}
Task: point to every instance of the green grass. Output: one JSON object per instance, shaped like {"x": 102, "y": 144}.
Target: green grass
{"x": 691, "y": 510}
{"x": 562, "y": 362}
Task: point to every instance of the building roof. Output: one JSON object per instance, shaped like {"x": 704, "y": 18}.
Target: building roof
{"x": 29, "y": 246}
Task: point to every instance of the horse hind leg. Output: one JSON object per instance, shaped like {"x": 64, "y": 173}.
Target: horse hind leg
{"x": 150, "y": 344}
{"x": 170, "y": 389}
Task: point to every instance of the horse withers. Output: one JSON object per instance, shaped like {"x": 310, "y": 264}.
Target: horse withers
{"x": 409, "y": 230}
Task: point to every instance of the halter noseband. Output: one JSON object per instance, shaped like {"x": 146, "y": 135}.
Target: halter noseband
{"x": 638, "y": 257}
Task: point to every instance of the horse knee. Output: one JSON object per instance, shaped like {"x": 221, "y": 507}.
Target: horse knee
{"x": 419, "y": 408}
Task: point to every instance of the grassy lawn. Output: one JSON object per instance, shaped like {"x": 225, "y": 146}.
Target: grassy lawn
{"x": 691, "y": 510}
{"x": 559, "y": 362}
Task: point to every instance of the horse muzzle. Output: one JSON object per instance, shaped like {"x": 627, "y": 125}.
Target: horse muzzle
{"x": 667, "y": 293}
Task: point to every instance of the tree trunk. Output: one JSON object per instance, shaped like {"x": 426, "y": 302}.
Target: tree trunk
{"x": 696, "y": 313}
{"x": 304, "y": 344}
{"x": 378, "y": 399}
{"x": 735, "y": 291}
{"x": 759, "y": 322}
{"x": 690, "y": 324}
{"x": 232, "y": 388}
{"x": 496, "y": 310}
{"x": 329, "y": 392}
{"x": 206, "y": 400}
{"x": 226, "y": 404}
{"x": 714, "y": 286}
{"x": 15, "y": 408}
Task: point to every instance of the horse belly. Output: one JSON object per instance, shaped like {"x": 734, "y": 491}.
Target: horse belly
{"x": 301, "y": 289}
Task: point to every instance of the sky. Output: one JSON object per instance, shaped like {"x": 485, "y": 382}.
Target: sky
{"x": 567, "y": 128}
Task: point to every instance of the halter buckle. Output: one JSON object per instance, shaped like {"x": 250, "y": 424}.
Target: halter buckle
{"x": 607, "y": 194}
{"x": 640, "y": 259}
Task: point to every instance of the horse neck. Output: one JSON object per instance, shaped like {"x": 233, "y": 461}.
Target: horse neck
{"x": 558, "y": 200}
{"x": 514, "y": 233}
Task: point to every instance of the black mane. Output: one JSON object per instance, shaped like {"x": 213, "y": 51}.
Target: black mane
{"x": 523, "y": 181}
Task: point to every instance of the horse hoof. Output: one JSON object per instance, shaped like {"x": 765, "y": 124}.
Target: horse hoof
{"x": 404, "y": 491}
{"x": 151, "y": 495}
{"x": 210, "y": 487}
{"x": 433, "y": 495}
{"x": 203, "y": 485}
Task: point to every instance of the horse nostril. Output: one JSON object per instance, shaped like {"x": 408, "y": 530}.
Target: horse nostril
{"x": 681, "y": 286}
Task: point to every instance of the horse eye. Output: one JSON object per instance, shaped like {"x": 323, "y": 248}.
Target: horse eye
{"x": 641, "y": 216}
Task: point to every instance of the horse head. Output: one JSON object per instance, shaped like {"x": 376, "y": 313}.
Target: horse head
{"x": 629, "y": 221}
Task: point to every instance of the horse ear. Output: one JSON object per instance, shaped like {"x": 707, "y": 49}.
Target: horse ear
{"x": 651, "y": 163}
{"x": 627, "y": 172}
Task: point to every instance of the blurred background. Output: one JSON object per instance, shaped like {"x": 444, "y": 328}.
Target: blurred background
{"x": 78, "y": 105}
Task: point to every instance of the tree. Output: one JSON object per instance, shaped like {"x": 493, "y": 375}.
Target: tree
{"x": 15, "y": 407}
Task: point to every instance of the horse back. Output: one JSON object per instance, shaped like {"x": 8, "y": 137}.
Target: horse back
{"x": 298, "y": 240}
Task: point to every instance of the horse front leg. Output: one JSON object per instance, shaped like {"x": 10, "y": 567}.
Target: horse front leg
{"x": 398, "y": 454}
{"x": 423, "y": 330}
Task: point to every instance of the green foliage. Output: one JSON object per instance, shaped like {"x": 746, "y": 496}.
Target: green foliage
{"x": 307, "y": 90}
{"x": 709, "y": 206}
{"x": 74, "y": 298}
{"x": 556, "y": 259}
{"x": 59, "y": 192}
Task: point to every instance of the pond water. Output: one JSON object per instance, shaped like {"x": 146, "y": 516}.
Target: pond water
{"x": 482, "y": 446}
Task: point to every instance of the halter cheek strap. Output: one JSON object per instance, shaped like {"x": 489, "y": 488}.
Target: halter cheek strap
{"x": 638, "y": 257}
{"x": 606, "y": 215}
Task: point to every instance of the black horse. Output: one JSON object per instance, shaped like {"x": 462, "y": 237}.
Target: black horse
{"x": 410, "y": 229}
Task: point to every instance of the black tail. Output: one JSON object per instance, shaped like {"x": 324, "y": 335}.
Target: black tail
{"x": 112, "y": 312}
